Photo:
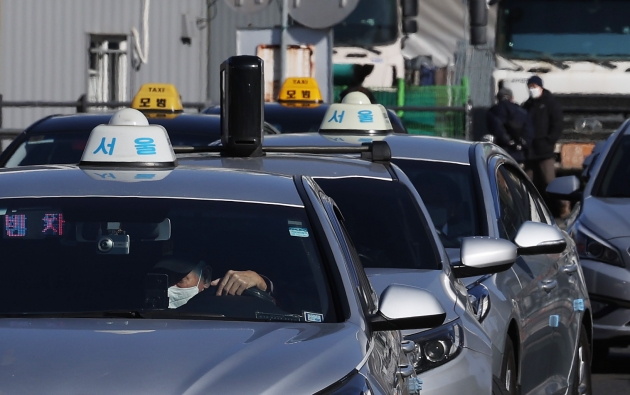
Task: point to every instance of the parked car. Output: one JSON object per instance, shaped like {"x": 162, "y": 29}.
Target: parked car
{"x": 105, "y": 245}
{"x": 60, "y": 139}
{"x": 538, "y": 313}
{"x": 599, "y": 225}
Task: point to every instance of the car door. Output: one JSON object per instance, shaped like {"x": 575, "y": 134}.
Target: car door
{"x": 537, "y": 276}
{"x": 388, "y": 367}
{"x": 565, "y": 336}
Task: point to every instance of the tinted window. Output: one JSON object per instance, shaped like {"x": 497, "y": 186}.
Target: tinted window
{"x": 513, "y": 204}
{"x": 586, "y": 28}
{"x": 613, "y": 179}
{"x": 447, "y": 192}
{"x": 384, "y": 222}
{"x": 56, "y": 257}
{"x": 373, "y": 22}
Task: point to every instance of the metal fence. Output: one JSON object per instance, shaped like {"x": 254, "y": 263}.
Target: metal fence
{"x": 436, "y": 110}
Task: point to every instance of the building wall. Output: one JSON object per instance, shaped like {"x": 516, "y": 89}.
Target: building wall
{"x": 224, "y": 22}
{"x": 44, "y": 49}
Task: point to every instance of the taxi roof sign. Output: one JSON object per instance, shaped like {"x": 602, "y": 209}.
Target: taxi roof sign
{"x": 300, "y": 90}
{"x": 355, "y": 115}
{"x": 160, "y": 98}
{"x": 128, "y": 141}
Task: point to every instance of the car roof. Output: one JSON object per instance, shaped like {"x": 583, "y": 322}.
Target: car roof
{"x": 402, "y": 145}
{"x": 338, "y": 166}
{"x": 76, "y": 122}
{"x": 276, "y": 113}
{"x": 181, "y": 182}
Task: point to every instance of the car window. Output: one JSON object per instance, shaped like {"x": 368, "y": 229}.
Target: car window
{"x": 448, "y": 194}
{"x": 531, "y": 210}
{"x": 365, "y": 291}
{"x": 98, "y": 254}
{"x": 615, "y": 173}
{"x": 511, "y": 215}
{"x": 385, "y": 223}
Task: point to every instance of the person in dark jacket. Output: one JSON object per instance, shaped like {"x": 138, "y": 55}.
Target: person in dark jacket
{"x": 510, "y": 125}
{"x": 547, "y": 118}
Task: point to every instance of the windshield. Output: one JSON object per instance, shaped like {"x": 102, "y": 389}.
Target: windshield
{"x": 373, "y": 22}
{"x": 384, "y": 222}
{"x": 447, "y": 192}
{"x": 79, "y": 255}
{"x": 614, "y": 178}
{"x": 564, "y": 29}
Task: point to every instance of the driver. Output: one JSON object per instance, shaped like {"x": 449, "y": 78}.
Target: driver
{"x": 188, "y": 278}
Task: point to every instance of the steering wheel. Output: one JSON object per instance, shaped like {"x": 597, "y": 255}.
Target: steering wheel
{"x": 255, "y": 292}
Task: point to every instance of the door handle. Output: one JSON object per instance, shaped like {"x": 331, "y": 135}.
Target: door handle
{"x": 408, "y": 346}
{"x": 570, "y": 269}
{"x": 548, "y": 285}
{"x": 405, "y": 370}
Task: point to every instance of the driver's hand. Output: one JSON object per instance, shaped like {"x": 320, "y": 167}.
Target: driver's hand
{"x": 234, "y": 283}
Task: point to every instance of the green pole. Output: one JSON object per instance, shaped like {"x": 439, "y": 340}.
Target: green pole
{"x": 400, "y": 99}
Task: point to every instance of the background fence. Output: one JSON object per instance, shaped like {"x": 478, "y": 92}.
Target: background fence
{"x": 436, "y": 110}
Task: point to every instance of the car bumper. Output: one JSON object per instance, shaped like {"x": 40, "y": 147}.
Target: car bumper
{"x": 609, "y": 290}
{"x": 469, "y": 373}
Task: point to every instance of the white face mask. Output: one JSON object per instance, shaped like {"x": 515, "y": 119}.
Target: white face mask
{"x": 179, "y": 296}
{"x": 535, "y": 93}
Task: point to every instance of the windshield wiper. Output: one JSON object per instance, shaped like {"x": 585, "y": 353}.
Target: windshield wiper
{"x": 78, "y": 314}
{"x": 581, "y": 58}
{"x": 544, "y": 57}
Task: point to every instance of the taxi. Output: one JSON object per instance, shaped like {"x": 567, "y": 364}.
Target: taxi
{"x": 392, "y": 234}
{"x": 60, "y": 139}
{"x": 537, "y": 313}
{"x": 126, "y": 257}
{"x": 300, "y": 108}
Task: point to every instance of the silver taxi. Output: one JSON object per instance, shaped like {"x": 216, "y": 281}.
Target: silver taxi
{"x": 537, "y": 313}
{"x": 96, "y": 258}
{"x": 394, "y": 240}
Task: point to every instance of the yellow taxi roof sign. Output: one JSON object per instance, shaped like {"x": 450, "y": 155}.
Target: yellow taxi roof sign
{"x": 154, "y": 97}
{"x": 300, "y": 90}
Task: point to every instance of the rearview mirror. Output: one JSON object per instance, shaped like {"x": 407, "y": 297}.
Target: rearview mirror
{"x": 409, "y": 26}
{"x": 567, "y": 188}
{"x": 535, "y": 238}
{"x": 484, "y": 255}
{"x": 403, "y": 307}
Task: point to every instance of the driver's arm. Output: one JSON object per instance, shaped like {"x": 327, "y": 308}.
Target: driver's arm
{"x": 235, "y": 282}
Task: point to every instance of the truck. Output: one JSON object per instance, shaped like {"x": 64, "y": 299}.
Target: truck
{"x": 367, "y": 44}
{"x": 581, "y": 50}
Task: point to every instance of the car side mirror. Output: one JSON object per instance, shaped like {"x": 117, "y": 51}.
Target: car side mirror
{"x": 484, "y": 255}
{"x": 567, "y": 188}
{"x": 403, "y": 307}
{"x": 535, "y": 238}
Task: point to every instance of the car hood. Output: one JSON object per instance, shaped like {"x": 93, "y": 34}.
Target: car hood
{"x": 609, "y": 218}
{"x": 94, "y": 356}
{"x": 434, "y": 281}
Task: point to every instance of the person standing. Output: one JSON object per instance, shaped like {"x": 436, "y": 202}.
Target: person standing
{"x": 510, "y": 126}
{"x": 547, "y": 119}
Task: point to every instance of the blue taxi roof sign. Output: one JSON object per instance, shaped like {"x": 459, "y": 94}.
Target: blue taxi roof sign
{"x": 128, "y": 141}
{"x": 356, "y": 115}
